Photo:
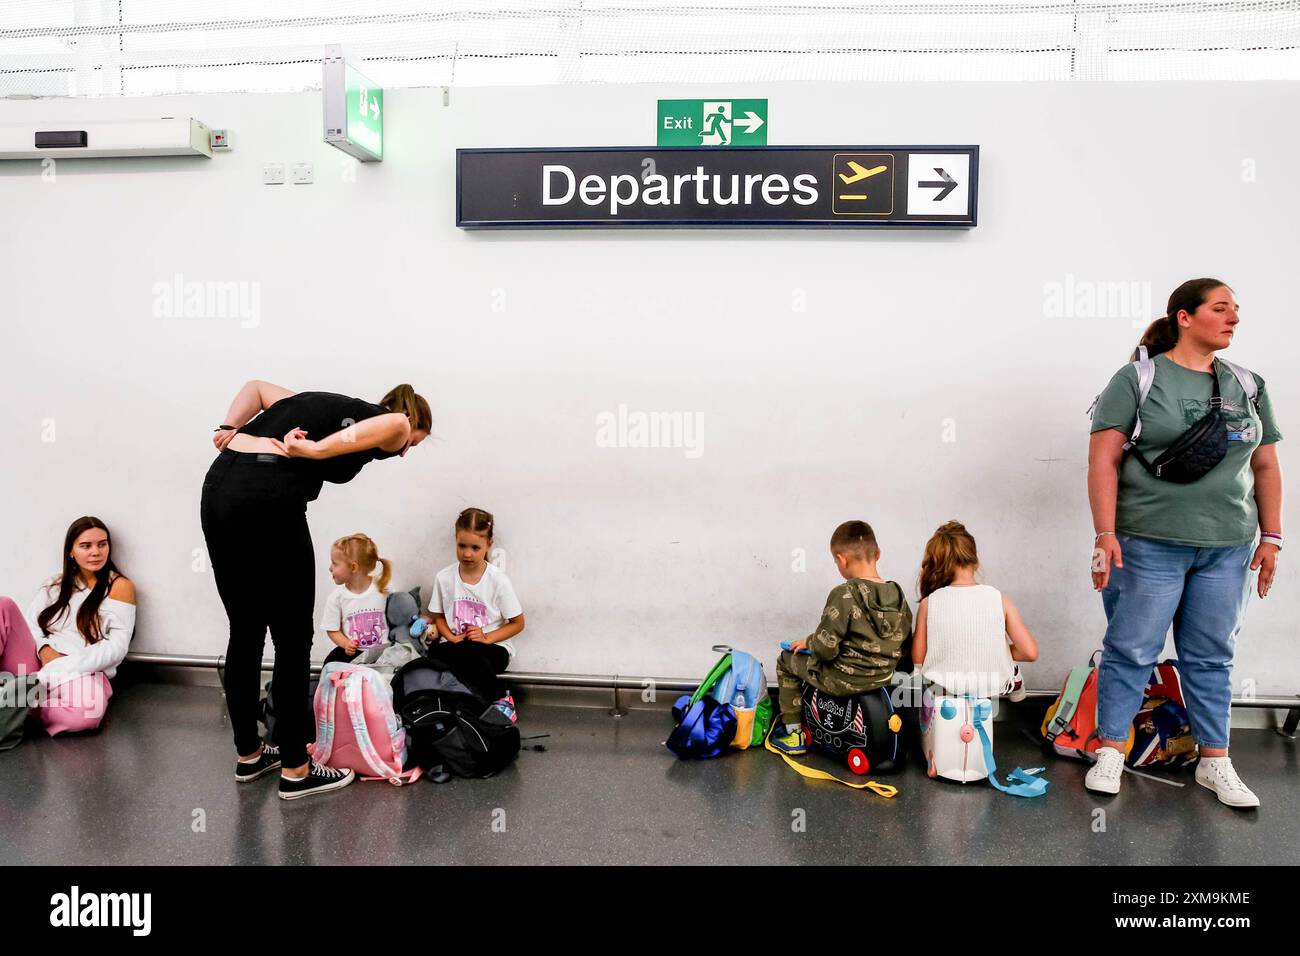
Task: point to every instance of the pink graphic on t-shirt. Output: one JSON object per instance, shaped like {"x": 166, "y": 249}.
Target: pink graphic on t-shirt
{"x": 466, "y": 613}
{"x": 367, "y": 628}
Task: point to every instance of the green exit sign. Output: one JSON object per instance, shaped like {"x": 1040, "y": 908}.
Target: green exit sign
{"x": 353, "y": 107}
{"x": 712, "y": 123}
{"x": 365, "y": 114}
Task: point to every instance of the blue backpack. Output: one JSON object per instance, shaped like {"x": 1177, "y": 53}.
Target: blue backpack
{"x": 730, "y": 708}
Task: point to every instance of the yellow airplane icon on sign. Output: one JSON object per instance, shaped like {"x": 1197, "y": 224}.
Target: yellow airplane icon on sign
{"x": 860, "y": 173}
{"x": 849, "y": 194}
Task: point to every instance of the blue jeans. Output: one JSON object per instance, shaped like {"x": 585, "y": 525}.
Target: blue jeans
{"x": 1202, "y": 592}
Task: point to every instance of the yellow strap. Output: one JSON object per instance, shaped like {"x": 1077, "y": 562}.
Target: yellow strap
{"x": 882, "y": 789}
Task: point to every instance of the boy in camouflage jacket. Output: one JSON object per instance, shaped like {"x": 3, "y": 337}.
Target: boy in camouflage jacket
{"x": 858, "y": 642}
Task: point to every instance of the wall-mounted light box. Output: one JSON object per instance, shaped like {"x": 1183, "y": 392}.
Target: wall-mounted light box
{"x": 353, "y": 108}
{"x": 168, "y": 136}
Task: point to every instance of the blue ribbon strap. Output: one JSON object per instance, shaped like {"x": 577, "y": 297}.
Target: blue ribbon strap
{"x": 1024, "y": 783}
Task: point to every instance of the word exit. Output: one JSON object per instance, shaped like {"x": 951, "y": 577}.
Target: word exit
{"x": 712, "y": 123}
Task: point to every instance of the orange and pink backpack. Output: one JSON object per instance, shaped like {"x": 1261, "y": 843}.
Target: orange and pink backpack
{"x": 1160, "y": 735}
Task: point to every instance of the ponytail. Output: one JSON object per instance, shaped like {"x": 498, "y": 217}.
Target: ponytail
{"x": 405, "y": 400}
{"x": 385, "y": 575}
{"x": 360, "y": 550}
{"x": 1160, "y": 336}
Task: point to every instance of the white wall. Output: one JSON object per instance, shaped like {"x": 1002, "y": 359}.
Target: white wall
{"x": 635, "y": 561}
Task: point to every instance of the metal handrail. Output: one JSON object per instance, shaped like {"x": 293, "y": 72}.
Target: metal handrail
{"x": 596, "y": 681}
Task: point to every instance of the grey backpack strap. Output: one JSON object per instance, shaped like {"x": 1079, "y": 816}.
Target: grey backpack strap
{"x": 1146, "y": 372}
{"x": 1246, "y": 380}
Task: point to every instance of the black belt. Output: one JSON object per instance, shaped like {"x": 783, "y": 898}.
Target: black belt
{"x": 258, "y": 457}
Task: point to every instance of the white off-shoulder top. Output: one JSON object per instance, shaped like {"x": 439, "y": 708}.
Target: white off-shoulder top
{"x": 116, "y": 620}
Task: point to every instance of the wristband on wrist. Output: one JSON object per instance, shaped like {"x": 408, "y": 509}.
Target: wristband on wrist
{"x": 1100, "y": 533}
{"x": 225, "y": 428}
{"x": 1271, "y": 537}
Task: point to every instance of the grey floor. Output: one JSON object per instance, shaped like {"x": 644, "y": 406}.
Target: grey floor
{"x": 156, "y": 786}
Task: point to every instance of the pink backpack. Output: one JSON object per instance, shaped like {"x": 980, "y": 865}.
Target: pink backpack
{"x": 356, "y": 728}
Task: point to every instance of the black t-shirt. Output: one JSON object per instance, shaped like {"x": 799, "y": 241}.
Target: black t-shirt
{"x": 319, "y": 414}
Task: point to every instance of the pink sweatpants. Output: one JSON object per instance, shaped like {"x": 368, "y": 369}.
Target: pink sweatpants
{"x": 79, "y": 704}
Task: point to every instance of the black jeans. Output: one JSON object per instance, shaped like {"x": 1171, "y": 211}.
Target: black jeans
{"x": 254, "y": 516}
{"x": 476, "y": 663}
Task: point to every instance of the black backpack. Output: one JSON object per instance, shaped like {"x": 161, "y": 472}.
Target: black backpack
{"x": 450, "y": 724}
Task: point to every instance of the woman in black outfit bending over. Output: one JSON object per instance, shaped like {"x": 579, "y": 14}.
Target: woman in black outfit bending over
{"x": 254, "y": 515}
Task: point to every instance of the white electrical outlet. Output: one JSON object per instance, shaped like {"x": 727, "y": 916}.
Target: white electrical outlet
{"x": 273, "y": 174}
{"x": 302, "y": 173}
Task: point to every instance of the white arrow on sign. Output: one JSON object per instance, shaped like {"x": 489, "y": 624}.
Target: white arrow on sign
{"x": 374, "y": 108}
{"x": 751, "y": 121}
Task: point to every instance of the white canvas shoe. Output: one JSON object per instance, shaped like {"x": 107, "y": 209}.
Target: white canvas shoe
{"x": 1106, "y": 773}
{"x": 1216, "y": 773}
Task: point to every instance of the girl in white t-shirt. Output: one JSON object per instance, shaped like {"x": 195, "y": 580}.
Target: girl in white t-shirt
{"x": 963, "y": 627}
{"x": 475, "y": 611}
{"x": 354, "y": 611}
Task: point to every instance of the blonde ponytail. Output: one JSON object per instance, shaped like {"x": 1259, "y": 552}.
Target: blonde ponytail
{"x": 360, "y": 550}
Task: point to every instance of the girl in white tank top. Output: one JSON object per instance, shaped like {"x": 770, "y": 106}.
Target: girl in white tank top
{"x": 963, "y": 627}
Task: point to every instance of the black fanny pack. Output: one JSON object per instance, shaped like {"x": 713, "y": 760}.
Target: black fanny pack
{"x": 1196, "y": 451}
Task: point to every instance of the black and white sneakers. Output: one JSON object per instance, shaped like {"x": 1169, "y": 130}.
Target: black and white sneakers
{"x": 319, "y": 779}
{"x": 268, "y": 760}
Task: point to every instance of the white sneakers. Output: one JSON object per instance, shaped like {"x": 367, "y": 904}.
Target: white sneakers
{"x": 1104, "y": 777}
{"x": 1213, "y": 773}
{"x": 1216, "y": 773}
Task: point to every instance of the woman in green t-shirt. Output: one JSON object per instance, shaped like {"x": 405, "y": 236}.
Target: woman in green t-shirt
{"x": 1181, "y": 554}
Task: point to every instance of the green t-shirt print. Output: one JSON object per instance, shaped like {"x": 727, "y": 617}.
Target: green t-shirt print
{"x": 1218, "y": 510}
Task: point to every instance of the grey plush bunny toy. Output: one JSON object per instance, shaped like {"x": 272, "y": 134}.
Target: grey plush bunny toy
{"x": 405, "y": 626}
